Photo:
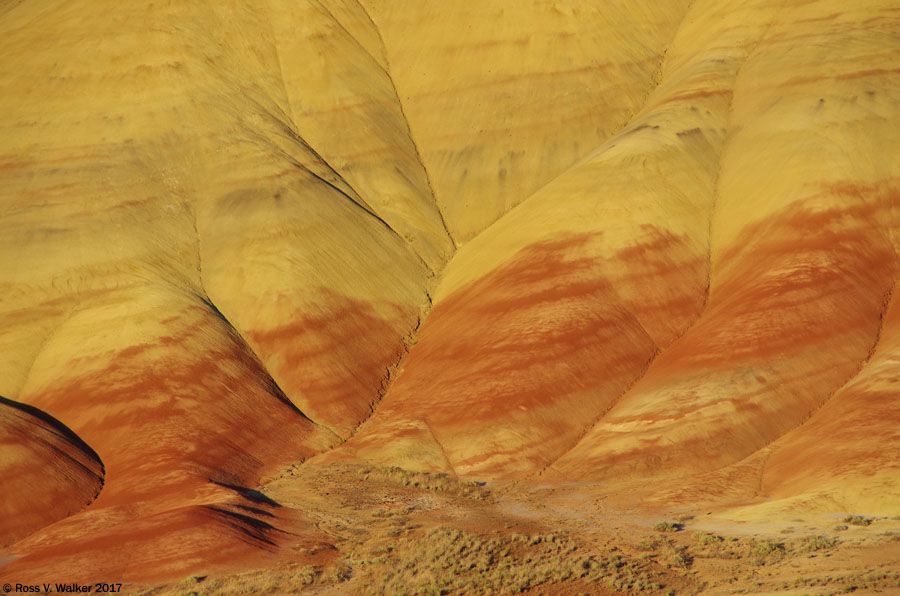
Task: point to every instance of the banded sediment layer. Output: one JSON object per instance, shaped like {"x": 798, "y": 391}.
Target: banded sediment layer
{"x": 649, "y": 245}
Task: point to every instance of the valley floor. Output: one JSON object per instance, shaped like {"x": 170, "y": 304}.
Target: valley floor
{"x": 390, "y": 531}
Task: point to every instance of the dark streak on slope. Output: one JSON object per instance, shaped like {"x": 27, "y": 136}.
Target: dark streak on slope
{"x": 623, "y": 128}
{"x": 251, "y": 530}
{"x": 270, "y": 384}
{"x": 288, "y": 125}
{"x": 587, "y": 429}
{"x": 358, "y": 44}
{"x": 409, "y": 133}
{"x": 60, "y": 430}
{"x": 349, "y": 193}
{"x": 712, "y": 211}
{"x": 4, "y": 10}
{"x": 655, "y": 81}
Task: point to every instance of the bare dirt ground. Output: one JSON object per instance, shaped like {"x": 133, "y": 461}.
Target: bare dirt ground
{"x": 389, "y": 531}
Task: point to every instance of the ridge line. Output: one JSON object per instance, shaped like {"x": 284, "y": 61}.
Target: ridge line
{"x": 274, "y": 389}
{"x": 630, "y": 120}
{"x": 409, "y": 132}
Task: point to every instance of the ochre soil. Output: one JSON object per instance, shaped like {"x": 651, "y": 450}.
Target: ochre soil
{"x": 389, "y": 531}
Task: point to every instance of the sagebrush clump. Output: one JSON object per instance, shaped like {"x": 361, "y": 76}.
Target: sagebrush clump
{"x": 448, "y": 561}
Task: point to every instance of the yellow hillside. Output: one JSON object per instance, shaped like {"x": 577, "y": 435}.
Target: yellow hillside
{"x": 649, "y": 246}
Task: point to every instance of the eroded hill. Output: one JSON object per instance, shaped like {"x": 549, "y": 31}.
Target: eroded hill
{"x": 648, "y": 248}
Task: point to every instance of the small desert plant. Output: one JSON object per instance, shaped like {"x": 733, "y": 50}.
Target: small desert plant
{"x": 435, "y": 482}
{"x": 708, "y": 539}
{"x": 665, "y": 526}
{"x": 341, "y": 574}
{"x": 766, "y": 552}
{"x": 717, "y": 547}
{"x": 192, "y": 580}
{"x": 450, "y": 561}
{"x": 681, "y": 557}
{"x": 814, "y": 543}
{"x": 857, "y": 520}
{"x": 647, "y": 544}
{"x": 305, "y": 575}
{"x": 766, "y": 547}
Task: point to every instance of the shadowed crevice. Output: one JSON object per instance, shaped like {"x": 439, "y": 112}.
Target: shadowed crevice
{"x": 252, "y": 495}
{"x": 288, "y": 125}
{"x": 409, "y": 132}
{"x": 63, "y": 431}
{"x": 265, "y": 377}
{"x": 255, "y": 531}
{"x": 270, "y": 384}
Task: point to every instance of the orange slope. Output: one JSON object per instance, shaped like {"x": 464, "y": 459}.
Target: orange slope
{"x": 659, "y": 243}
{"x": 770, "y": 191}
{"x": 803, "y": 256}
{"x": 49, "y": 473}
{"x": 162, "y": 168}
{"x": 546, "y": 319}
{"x": 185, "y": 420}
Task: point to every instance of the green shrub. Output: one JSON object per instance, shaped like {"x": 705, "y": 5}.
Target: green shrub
{"x": 708, "y": 539}
{"x": 682, "y": 558}
{"x": 814, "y": 543}
{"x": 766, "y": 552}
{"x": 858, "y": 520}
{"x": 665, "y": 526}
{"x": 305, "y": 575}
